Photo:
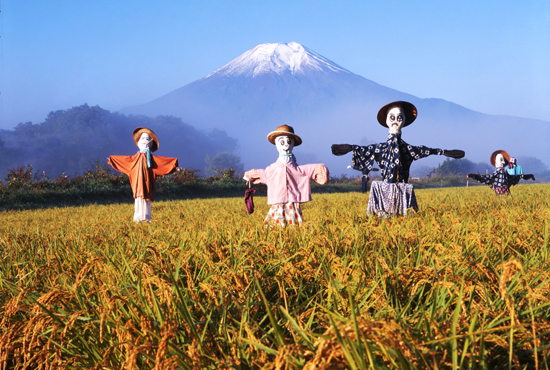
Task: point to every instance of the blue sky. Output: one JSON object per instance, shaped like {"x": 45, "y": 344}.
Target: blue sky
{"x": 490, "y": 56}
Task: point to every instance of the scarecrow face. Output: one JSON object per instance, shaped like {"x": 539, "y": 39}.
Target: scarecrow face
{"x": 395, "y": 120}
{"x": 284, "y": 144}
{"x": 500, "y": 161}
{"x": 145, "y": 141}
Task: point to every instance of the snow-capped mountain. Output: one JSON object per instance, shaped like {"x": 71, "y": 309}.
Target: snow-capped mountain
{"x": 274, "y": 84}
{"x": 269, "y": 83}
{"x": 291, "y": 58}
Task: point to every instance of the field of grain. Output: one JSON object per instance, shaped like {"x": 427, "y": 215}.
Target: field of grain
{"x": 464, "y": 283}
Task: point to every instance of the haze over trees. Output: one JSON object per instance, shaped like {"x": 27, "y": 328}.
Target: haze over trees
{"x": 464, "y": 166}
{"x": 70, "y": 141}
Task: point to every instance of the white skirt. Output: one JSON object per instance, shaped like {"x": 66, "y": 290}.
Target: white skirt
{"x": 142, "y": 210}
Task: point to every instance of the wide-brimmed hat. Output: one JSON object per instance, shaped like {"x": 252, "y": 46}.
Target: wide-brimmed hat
{"x": 284, "y": 130}
{"x": 140, "y": 130}
{"x": 497, "y": 152}
{"x": 409, "y": 110}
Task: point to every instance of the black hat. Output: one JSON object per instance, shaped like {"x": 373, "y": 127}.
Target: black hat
{"x": 409, "y": 110}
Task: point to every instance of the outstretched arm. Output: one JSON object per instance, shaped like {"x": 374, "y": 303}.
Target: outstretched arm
{"x": 321, "y": 174}
{"x": 484, "y": 179}
{"x": 341, "y": 149}
{"x": 455, "y": 153}
{"x": 253, "y": 176}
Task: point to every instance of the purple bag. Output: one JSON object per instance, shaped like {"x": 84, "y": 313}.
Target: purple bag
{"x": 249, "y": 200}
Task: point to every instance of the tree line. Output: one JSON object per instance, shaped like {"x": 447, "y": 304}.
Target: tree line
{"x": 71, "y": 141}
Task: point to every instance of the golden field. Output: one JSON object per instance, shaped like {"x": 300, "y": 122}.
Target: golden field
{"x": 464, "y": 283}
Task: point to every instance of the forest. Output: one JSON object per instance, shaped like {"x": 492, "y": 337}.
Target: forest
{"x": 70, "y": 141}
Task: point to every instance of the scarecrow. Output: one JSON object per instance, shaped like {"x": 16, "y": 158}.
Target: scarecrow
{"x": 392, "y": 195}
{"x": 513, "y": 167}
{"x": 143, "y": 168}
{"x": 500, "y": 180}
{"x": 288, "y": 184}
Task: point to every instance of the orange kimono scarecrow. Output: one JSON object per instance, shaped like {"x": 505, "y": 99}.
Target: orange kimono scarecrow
{"x": 143, "y": 168}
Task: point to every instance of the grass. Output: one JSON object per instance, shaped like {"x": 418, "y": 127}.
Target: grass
{"x": 462, "y": 284}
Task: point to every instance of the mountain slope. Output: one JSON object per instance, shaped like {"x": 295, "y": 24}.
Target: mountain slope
{"x": 273, "y": 84}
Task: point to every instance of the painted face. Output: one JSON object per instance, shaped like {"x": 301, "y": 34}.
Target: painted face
{"x": 500, "y": 161}
{"x": 395, "y": 120}
{"x": 284, "y": 144}
{"x": 145, "y": 141}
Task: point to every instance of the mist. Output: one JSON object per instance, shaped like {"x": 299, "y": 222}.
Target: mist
{"x": 72, "y": 141}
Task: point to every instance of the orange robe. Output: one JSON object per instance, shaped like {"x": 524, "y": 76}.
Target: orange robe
{"x": 142, "y": 178}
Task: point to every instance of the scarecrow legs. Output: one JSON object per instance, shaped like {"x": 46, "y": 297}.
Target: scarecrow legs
{"x": 142, "y": 210}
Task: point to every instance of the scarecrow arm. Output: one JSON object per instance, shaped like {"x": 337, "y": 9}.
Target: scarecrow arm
{"x": 484, "y": 179}
{"x": 123, "y": 163}
{"x": 363, "y": 157}
{"x": 321, "y": 175}
{"x": 455, "y": 153}
{"x": 341, "y": 149}
{"x": 253, "y": 176}
{"x": 528, "y": 177}
{"x": 164, "y": 165}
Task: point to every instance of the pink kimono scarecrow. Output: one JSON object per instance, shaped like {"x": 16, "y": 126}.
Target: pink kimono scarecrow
{"x": 288, "y": 184}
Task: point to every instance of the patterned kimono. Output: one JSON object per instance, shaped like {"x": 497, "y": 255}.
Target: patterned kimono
{"x": 500, "y": 180}
{"x": 394, "y": 157}
{"x": 393, "y": 195}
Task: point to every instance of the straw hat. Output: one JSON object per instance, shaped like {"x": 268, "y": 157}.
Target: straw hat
{"x": 504, "y": 154}
{"x": 140, "y": 130}
{"x": 409, "y": 110}
{"x": 284, "y": 130}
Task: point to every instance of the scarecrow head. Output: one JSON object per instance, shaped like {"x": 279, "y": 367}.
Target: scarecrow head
{"x": 145, "y": 139}
{"x": 284, "y": 139}
{"x": 396, "y": 115}
{"x": 500, "y": 158}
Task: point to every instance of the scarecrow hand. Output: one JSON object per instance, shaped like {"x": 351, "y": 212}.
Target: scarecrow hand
{"x": 454, "y": 153}
{"x": 529, "y": 177}
{"x": 341, "y": 149}
{"x": 474, "y": 176}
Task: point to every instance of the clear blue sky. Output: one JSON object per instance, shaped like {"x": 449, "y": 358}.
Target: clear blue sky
{"x": 491, "y": 56}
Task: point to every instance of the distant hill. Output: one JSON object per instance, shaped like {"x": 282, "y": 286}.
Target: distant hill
{"x": 273, "y": 84}
{"x": 72, "y": 140}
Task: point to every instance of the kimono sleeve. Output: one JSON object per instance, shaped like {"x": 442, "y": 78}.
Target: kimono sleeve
{"x": 513, "y": 179}
{"x": 321, "y": 175}
{"x": 421, "y": 151}
{"x": 487, "y": 179}
{"x": 363, "y": 157}
{"x": 123, "y": 163}
{"x": 253, "y": 176}
{"x": 164, "y": 165}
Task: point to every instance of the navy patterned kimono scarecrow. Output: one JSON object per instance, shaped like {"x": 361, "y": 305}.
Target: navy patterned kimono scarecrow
{"x": 500, "y": 180}
{"x": 392, "y": 195}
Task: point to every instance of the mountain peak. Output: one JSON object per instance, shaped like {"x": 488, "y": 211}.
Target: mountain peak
{"x": 279, "y": 58}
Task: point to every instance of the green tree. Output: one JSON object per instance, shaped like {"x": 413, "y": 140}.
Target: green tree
{"x": 461, "y": 166}
{"x": 221, "y": 163}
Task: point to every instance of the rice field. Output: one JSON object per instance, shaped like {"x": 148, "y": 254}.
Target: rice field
{"x": 462, "y": 284}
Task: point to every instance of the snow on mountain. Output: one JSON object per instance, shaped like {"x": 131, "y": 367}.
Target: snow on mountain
{"x": 280, "y": 58}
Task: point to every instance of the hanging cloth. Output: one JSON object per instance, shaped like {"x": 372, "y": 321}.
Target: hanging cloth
{"x": 148, "y": 152}
{"x": 249, "y": 199}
